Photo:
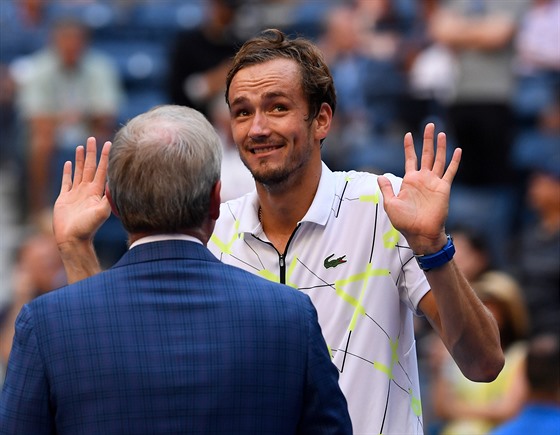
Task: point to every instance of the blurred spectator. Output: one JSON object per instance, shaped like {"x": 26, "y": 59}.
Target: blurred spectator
{"x": 70, "y": 92}
{"x": 471, "y": 408}
{"x": 24, "y": 26}
{"x": 359, "y": 43}
{"x": 342, "y": 43}
{"x": 430, "y": 69}
{"x": 473, "y": 257}
{"x": 8, "y": 152}
{"x": 475, "y": 261}
{"x": 538, "y": 36}
{"x": 541, "y": 412}
{"x": 480, "y": 117}
{"x": 472, "y": 254}
{"x": 537, "y": 60}
{"x": 382, "y": 19}
{"x": 384, "y": 84}
{"x": 301, "y": 17}
{"x": 536, "y": 252}
{"x": 37, "y": 270}
{"x": 537, "y": 103}
{"x": 536, "y": 143}
{"x": 481, "y": 35}
{"x": 200, "y": 58}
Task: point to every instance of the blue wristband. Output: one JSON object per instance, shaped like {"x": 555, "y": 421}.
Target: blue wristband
{"x": 431, "y": 261}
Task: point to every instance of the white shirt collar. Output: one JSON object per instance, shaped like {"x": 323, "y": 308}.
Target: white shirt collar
{"x": 318, "y": 212}
{"x": 323, "y": 201}
{"x": 162, "y": 237}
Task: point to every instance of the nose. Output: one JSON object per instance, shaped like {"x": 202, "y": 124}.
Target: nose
{"x": 259, "y": 126}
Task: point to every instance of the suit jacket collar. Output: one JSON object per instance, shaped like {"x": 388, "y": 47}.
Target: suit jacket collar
{"x": 166, "y": 250}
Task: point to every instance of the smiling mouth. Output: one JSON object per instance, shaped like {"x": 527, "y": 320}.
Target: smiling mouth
{"x": 264, "y": 149}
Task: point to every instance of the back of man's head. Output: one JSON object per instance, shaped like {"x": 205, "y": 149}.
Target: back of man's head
{"x": 163, "y": 165}
{"x": 543, "y": 368}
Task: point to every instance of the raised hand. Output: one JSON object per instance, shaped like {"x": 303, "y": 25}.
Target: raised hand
{"x": 420, "y": 209}
{"x": 81, "y": 206}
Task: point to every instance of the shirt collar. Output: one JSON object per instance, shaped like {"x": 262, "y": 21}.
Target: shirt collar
{"x": 318, "y": 212}
{"x": 162, "y": 237}
{"x": 322, "y": 204}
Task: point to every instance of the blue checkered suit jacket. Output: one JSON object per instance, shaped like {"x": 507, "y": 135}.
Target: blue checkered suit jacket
{"x": 171, "y": 341}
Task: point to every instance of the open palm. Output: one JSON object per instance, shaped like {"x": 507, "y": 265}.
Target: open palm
{"x": 81, "y": 206}
{"x": 420, "y": 208}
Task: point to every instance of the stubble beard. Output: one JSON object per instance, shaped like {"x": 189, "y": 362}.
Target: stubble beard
{"x": 279, "y": 177}
{"x": 271, "y": 177}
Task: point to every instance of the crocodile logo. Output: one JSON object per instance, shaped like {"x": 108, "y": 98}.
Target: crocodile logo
{"x": 335, "y": 262}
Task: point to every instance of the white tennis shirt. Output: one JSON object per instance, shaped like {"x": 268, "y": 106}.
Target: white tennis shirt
{"x": 364, "y": 282}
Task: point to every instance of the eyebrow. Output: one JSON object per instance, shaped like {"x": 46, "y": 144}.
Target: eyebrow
{"x": 267, "y": 96}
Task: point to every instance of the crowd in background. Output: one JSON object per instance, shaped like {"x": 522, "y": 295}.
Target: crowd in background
{"x": 486, "y": 72}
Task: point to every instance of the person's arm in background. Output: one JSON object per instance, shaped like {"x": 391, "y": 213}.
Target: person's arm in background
{"x": 486, "y": 32}
{"x": 188, "y": 85}
{"x": 419, "y": 211}
{"x": 41, "y": 148}
{"x": 201, "y": 87}
{"x": 448, "y": 405}
{"x": 105, "y": 104}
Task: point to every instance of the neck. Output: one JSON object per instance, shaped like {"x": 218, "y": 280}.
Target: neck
{"x": 551, "y": 223}
{"x": 196, "y": 233}
{"x": 282, "y": 208}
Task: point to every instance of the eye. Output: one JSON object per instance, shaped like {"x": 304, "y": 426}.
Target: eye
{"x": 239, "y": 113}
{"x": 279, "y": 108}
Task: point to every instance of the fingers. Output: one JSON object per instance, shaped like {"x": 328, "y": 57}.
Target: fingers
{"x": 441, "y": 154}
{"x": 427, "y": 161}
{"x": 66, "y": 183}
{"x": 101, "y": 173}
{"x": 432, "y": 161}
{"x": 410, "y": 160}
{"x": 87, "y": 169}
{"x": 453, "y": 166}
{"x": 90, "y": 164}
{"x": 386, "y": 188}
{"x": 79, "y": 166}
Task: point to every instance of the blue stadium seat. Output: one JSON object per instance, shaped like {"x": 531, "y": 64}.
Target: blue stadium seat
{"x": 139, "y": 100}
{"x": 161, "y": 20}
{"x": 139, "y": 62}
{"x": 96, "y": 14}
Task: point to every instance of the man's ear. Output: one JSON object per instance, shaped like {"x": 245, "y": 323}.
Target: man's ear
{"x": 110, "y": 199}
{"x": 323, "y": 121}
{"x": 215, "y": 200}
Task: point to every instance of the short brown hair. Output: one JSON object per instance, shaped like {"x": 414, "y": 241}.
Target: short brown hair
{"x": 316, "y": 78}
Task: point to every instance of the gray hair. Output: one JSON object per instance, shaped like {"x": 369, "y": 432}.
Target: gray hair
{"x": 162, "y": 167}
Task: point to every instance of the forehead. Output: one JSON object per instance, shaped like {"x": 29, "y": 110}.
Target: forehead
{"x": 274, "y": 75}
{"x": 72, "y": 29}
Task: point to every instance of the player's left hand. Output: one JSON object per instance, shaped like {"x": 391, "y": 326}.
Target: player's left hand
{"x": 420, "y": 208}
